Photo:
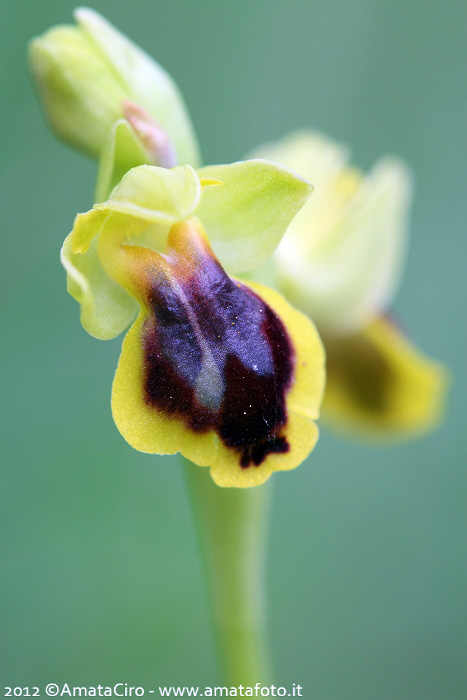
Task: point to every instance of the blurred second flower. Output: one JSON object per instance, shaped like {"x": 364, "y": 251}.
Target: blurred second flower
{"x": 340, "y": 262}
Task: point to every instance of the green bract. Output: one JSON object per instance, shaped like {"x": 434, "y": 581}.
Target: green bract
{"x": 245, "y": 208}
{"x": 85, "y": 73}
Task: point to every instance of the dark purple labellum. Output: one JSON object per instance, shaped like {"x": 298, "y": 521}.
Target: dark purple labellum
{"x": 219, "y": 358}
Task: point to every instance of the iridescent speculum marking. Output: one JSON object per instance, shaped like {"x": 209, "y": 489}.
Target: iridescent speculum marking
{"x": 215, "y": 354}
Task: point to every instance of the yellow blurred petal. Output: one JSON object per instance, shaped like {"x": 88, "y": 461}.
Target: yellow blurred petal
{"x": 342, "y": 255}
{"x": 380, "y": 384}
{"x": 311, "y": 154}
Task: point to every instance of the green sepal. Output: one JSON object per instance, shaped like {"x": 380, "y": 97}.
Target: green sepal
{"x": 106, "y": 308}
{"x": 247, "y": 216}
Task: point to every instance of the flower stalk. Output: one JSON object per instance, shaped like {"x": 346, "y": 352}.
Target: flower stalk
{"x": 232, "y": 526}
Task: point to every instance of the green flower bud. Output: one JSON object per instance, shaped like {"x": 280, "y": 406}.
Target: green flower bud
{"x": 87, "y": 73}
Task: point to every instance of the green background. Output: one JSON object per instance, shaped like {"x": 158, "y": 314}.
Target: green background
{"x": 101, "y": 580}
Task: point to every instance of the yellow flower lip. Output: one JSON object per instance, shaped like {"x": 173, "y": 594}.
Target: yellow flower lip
{"x": 221, "y": 370}
{"x": 220, "y": 360}
{"x": 213, "y": 357}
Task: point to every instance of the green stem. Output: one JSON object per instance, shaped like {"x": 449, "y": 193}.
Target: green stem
{"x": 231, "y": 526}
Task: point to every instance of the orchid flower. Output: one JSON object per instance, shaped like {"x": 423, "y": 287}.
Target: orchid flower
{"x": 340, "y": 262}
{"x": 222, "y": 370}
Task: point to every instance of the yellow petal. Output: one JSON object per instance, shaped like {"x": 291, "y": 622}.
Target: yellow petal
{"x": 302, "y": 435}
{"x": 226, "y": 373}
{"x": 379, "y": 383}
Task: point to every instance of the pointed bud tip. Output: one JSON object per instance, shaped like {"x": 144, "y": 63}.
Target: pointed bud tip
{"x": 154, "y": 138}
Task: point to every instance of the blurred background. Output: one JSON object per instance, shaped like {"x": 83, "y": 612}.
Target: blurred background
{"x": 101, "y": 581}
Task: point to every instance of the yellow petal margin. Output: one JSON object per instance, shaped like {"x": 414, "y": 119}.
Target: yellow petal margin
{"x": 303, "y": 400}
{"x": 378, "y": 383}
{"x": 150, "y": 429}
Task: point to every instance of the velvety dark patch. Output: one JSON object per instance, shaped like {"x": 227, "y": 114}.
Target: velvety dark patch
{"x": 361, "y": 370}
{"x": 218, "y": 358}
